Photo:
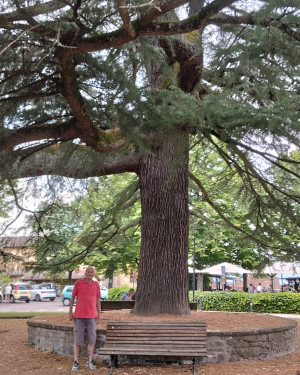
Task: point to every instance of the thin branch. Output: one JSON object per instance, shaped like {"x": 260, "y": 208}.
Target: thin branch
{"x": 134, "y": 6}
{"x": 18, "y": 38}
{"x": 58, "y": 43}
{"x": 35, "y": 10}
{"x": 247, "y": 173}
{"x": 219, "y": 212}
{"x": 126, "y": 19}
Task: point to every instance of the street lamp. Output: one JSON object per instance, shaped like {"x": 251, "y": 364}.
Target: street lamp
{"x": 194, "y": 278}
{"x": 194, "y": 255}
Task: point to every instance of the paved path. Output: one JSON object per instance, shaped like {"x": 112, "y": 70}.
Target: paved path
{"x": 43, "y": 306}
{"x": 290, "y": 316}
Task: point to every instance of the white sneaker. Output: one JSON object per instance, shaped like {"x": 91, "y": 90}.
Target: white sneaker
{"x": 75, "y": 366}
{"x": 91, "y": 365}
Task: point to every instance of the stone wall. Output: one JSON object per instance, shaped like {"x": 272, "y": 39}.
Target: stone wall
{"x": 252, "y": 345}
{"x": 221, "y": 346}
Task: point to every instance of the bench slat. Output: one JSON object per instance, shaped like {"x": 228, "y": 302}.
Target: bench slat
{"x": 156, "y": 334}
{"x": 155, "y": 352}
{"x": 181, "y": 344}
{"x": 142, "y": 340}
{"x": 157, "y": 345}
{"x": 154, "y": 329}
{"x": 125, "y": 324}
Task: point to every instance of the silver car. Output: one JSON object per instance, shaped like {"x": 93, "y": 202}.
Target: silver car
{"x": 39, "y": 293}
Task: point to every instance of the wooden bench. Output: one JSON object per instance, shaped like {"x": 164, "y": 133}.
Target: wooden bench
{"x": 171, "y": 339}
{"x": 116, "y": 305}
{"x": 119, "y": 305}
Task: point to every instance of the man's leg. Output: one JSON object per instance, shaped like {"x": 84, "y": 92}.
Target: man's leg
{"x": 78, "y": 341}
{"x": 91, "y": 351}
{"x": 76, "y": 352}
{"x": 91, "y": 338}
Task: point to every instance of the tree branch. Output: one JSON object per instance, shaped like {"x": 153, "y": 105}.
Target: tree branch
{"x": 125, "y": 18}
{"x": 69, "y": 160}
{"x": 34, "y": 10}
{"x": 219, "y": 212}
{"x": 145, "y": 27}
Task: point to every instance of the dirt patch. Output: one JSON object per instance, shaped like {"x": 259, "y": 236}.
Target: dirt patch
{"x": 18, "y": 357}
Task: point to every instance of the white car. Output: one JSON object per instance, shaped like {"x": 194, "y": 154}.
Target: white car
{"x": 1, "y": 297}
{"x": 39, "y": 293}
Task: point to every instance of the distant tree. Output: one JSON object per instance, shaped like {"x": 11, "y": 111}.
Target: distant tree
{"x": 5, "y": 279}
{"x": 101, "y": 228}
{"x": 95, "y": 88}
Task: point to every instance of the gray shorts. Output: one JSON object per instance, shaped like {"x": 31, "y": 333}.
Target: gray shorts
{"x": 82, "y": 324}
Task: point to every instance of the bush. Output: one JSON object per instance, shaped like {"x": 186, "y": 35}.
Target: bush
{"x": 284, "y": 303}
{"x": 116, "y": 293}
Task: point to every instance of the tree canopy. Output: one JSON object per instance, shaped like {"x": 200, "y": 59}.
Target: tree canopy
{"x": 89, "y": 89}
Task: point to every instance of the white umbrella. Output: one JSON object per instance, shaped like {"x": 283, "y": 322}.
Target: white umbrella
{"x": 282, "y": 267}
{"x": 229, "y": 268}
{"x": 191, "y": 270}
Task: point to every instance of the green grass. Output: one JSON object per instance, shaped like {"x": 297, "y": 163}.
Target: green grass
{"x": 24, "y": 315}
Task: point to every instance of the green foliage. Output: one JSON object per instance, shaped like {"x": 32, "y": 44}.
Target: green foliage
{"x": 284, "y": 303}
{"x": 255, "y": 220}
{"x": 101, "y": 228}
{"x": 5, "y": 279}
{"x": 117, "y": 292}
{"x": 7, "y": 201}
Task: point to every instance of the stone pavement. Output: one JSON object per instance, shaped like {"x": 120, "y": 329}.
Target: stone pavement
{"x": 290, "y": 316}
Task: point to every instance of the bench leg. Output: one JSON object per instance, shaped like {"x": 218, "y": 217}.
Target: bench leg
{"x": 111, "y": 365}
{"x": 194, "y": 366}
{"x": 113, "y": 362}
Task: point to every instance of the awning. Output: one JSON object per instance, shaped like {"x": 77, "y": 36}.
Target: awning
{"x": 282, "y": 267}
{"x": 229, "y": 268}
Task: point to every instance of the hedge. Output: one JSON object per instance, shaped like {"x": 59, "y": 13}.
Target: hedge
{"x": 284, "y": 303}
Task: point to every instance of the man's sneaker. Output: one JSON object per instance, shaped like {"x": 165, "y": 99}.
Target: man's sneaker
{"x": 75, "y": 366}
{"x": 91, "y": 365}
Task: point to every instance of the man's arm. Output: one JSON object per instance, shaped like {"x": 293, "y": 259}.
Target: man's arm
{"x": 98, "y": 305}
{"x": 71, "y": 315}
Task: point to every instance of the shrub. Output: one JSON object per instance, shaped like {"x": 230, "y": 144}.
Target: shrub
{"x": 284, "y": 303}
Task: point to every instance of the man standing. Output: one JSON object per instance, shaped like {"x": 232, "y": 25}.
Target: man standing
{"x": 87, "y": 315}
{"x": 7, "y": 292}
{"x": 259, "y": 288}
{"x": 251, "y": 289}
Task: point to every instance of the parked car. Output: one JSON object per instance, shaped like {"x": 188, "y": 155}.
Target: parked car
{"x": 66, "y": 295}
{"x": 39, "y": 292}
{"x": 104, "y": 292}
{"x": 20, "y": 292}
{"x": 1, "y": 297}
{"x": 51, "y": 286}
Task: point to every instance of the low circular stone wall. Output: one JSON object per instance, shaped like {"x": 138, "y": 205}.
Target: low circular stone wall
{"x": 221, "y": 346}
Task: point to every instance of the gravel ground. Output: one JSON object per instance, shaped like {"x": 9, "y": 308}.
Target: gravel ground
{"x": 17, "y": 357}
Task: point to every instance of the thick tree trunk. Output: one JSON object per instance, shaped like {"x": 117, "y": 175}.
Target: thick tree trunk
{"x": 163, "y": 273}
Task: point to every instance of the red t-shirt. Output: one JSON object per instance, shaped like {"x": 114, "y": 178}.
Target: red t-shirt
{"x": 86, "y": 296}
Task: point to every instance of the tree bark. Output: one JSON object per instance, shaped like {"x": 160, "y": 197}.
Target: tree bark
{"x": 162, "y": 285}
